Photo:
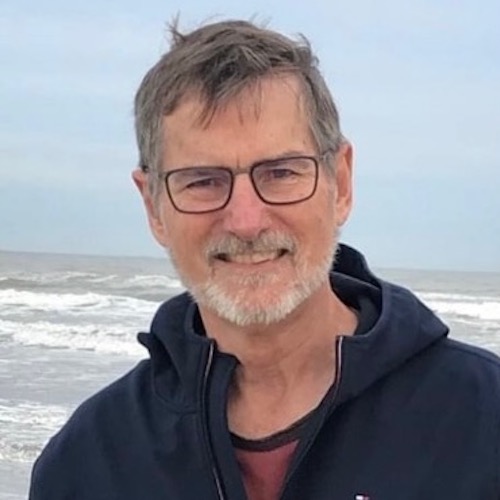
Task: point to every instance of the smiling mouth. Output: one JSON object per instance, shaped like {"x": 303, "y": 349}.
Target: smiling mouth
{"x": 251, "y": 258}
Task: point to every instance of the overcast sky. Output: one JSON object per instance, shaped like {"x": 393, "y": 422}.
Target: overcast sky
{"x": 417, "y": 84}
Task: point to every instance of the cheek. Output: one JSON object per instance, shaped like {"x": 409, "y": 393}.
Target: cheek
{"x": 188, "y": 237}
{"x": 310, "y": 231}
{"x": 319, "y": 221}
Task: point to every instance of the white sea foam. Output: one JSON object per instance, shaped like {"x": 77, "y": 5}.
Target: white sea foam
{"x": 102, "y": 279}
{"x": 73, "y": 303}
{"x": 25, "y": 427}
{"x": 485, "y": 308}
{"x": 152, "y": 280}
{"x": 103, "y": 339}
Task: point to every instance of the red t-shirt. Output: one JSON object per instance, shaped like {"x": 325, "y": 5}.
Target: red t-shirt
{"x": 265, "y": 462}
{"x": 264, "y": 471}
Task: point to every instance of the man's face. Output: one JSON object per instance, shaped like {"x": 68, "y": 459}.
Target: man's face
{"x": 250, "y": 262}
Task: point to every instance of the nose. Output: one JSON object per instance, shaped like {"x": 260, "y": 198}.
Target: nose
{"x": 246, "y": 215}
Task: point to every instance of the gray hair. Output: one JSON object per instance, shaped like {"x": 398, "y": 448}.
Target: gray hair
{"x": 217, "y": 62}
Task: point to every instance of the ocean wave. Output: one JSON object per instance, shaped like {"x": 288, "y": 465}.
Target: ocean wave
{"x": 104, "y": 339}
{"x": 19, "y": 452}
{"x": 26, "y": 426}
{"x": 152, "y": 280}
{"x": 457, "y": 297}
{"x": 73, "y": 303}
{"x": 485, "y": 308}
{"x": 56, "y": 277}
{"x": 28, "y": 280}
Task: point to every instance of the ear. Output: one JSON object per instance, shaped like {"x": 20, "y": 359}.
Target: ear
{"x": 343, "y": 183}
{"x": 156, "y": 219}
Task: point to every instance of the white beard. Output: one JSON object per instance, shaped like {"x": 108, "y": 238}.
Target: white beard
{"x": 253, "y": 302}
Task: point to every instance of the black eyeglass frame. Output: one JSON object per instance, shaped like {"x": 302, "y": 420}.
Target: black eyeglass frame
{"x": 233, "y": 172}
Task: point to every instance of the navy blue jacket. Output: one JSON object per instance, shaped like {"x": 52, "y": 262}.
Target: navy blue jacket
{"x": 413, "y": 416}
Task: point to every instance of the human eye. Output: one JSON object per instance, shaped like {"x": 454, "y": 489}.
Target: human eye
{"x": 200, "y": 179}
{"x": 202, "y": 182}
{"x": 283, "y": 170}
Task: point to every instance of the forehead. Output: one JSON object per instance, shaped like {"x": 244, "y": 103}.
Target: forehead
{"x": 259, "y": 122}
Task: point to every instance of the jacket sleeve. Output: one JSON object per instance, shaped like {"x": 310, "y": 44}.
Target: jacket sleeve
{"x": 48, "y": 480}
{"x": 61, "y": 472}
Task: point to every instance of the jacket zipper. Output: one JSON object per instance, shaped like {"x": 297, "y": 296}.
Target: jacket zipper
{"x": 206, "y": 374}
{"x": 338, "y": 371}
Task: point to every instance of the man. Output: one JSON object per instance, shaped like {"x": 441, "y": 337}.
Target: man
{"x": 274, "y": 377}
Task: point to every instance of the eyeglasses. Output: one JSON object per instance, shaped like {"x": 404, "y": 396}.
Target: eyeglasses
{"x": 284, "y": 181}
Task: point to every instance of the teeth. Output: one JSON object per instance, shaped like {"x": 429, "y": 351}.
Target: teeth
{"x": 253, "y": 258}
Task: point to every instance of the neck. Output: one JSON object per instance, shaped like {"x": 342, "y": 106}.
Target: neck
{"x": 285, "y": 368}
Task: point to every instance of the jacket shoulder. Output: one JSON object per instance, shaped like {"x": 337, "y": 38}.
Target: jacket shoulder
{"x": 475, "y": 354}
{"x": 470, "y": 358}
{"x": 471, "y": 369}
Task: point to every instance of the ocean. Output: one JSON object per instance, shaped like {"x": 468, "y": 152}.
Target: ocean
{"x": 68, "y": 327}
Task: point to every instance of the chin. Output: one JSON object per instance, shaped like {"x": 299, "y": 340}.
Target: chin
{"x": 263, "y": 304}
{"x": 262, "y": 297}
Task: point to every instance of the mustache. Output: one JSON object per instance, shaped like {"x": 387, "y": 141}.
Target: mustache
{"x": 269, "y": 241}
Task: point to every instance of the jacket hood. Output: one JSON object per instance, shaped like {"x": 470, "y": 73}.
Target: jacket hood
{"x": 404, "y": 328}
